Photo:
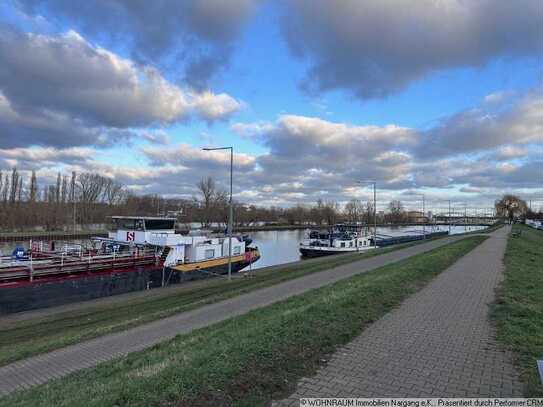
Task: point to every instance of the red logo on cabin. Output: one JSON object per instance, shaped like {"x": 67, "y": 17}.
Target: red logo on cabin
{"x": 130, "y": 236}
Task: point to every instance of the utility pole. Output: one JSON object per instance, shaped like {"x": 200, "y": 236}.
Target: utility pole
{"x": 465, "y": 216}
{"x": 375, "y": 214}
{"x": 449, "y": 217}
{"x": 423, "y": 217}
{"x": 231, "y": 211}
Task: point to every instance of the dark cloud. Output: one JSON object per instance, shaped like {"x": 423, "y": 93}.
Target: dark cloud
{"x": 198, "y": 32}
{"x": 47, "y": 128}
{"x": 374, "y": 48}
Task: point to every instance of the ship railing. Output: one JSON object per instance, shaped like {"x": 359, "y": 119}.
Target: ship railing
{"x": 66, "y": 265}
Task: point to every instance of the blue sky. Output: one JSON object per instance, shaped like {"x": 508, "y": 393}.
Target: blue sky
{"x": 441, "y": 97}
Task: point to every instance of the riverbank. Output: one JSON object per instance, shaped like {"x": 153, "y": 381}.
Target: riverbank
{"x": 87, "y": 234}
{"x": 48, "y": 330}
{"x": 518, "y": 312}
{"x": 250, "y": 359}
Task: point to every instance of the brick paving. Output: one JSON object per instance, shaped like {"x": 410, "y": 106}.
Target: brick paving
{"x": 438, "y": 343}
{"x": 39, "y": 369}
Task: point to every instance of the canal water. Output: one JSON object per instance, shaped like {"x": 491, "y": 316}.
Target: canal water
{"x": 281, "y": 246}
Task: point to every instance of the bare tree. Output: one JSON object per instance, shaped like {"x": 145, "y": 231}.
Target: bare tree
{"x": 20, "y": 190}
{"x": 368, "y": 213}
{"x": 33, "y": 192}
{"x": 113, "y": 191}
{"x": 511, "y": 207}
{"x": 14, "y": 185}
{"x": 330, "y": 212}
{"x": 396, "y": 210}
{"x": 5, "y": 192}
{"x": 64, "y": 188}
{"x": 90, "y": 187}
{"x": 73, "y": 187}
{"x": 57, "y": 188}
{"x": 207, "y": 188}
{"x": 354, "y": 210}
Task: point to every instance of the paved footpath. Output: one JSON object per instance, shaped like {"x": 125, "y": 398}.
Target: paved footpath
{"x": 438, "y": 343}
{"x": 39, "y": 369}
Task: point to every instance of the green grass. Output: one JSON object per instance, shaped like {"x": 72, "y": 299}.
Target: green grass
{"x": 250, "y": 359}
{"x": 22, "y": 339}
{"x": 519, "y": 310}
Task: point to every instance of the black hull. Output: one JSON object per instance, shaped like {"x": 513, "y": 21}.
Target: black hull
{"x": 310, "y": 253}
{"x": 65, "y": 291}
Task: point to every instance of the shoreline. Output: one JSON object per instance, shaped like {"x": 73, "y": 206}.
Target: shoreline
{"x": 63, "y": 235}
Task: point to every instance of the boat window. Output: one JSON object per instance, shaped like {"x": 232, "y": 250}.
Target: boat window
{"x": 365, "y": 243}
{"x": 210, "y": 253}
{"x": 159, "y": 224}
{"x": 342, "y": 244}
{"x": 125, "y": 224}
{"x": 237, "y": 250}
{"x": 351, "y": 244}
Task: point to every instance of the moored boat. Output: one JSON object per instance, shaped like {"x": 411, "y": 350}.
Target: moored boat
{"x": 142, "y": 253}
{"x": 341, "y": 238}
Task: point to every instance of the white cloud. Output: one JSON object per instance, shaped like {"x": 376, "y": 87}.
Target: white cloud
{"x": 249, "y": 130}
{"x": 213, "y": 107}
{"x": 65, "y": 81}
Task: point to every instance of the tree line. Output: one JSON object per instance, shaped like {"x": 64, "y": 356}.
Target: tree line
{"x": 90, "y": 198}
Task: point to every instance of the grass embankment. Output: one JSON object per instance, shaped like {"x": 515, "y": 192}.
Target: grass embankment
{"x": 22, "y": 339}
{"x": 519, "y": 310}
{"x": 250, "y": 359}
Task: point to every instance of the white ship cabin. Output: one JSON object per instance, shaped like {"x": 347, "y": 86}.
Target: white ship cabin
{"x": 158, "y": 231}
{"x": 338, "y": 240}
{"x": 143, "y": 230}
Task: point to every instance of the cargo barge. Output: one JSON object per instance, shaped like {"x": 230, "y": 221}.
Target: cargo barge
{"x": 383, "y": 240}
{"x": 351, "y": 238}
{"x": 142, "y": 253}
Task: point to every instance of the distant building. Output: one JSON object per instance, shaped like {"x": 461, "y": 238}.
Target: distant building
{"x": 418, "y": 217}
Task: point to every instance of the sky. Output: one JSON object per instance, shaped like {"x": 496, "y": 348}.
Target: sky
{"x": 436, "y": 97}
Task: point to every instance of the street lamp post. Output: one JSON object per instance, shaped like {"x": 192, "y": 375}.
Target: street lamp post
{"x": 231, "y": 211}
{"x": 374, "y": 183}
{"x": 449, "y": 219}
{"x": 423, "y": 216}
